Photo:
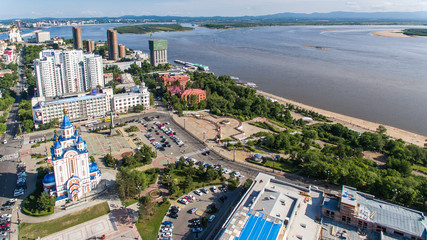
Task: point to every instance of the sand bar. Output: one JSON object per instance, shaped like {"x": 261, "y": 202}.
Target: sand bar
{"x": 356, "y": 124}
{"x": 390, "y": 33}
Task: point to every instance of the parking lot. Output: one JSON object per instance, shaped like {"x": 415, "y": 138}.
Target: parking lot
{"x": 184, "y": 224}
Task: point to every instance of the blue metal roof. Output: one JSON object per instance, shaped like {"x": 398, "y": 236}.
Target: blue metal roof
{"x": 57, "y": 144}
{"x": 86, "y": 97}
{"x": 62, "y": 197}
{"x": 93, "y": 167}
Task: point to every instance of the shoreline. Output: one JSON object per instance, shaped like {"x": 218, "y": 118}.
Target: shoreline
{"x": 390, "y": 34}
{"x": 354, "y": 123}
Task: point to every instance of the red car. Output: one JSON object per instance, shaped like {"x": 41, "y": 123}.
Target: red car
{"x": 5, "y": 225}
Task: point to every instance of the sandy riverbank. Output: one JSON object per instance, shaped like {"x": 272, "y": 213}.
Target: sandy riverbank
{"x": 390, "y": 33}
{"x": 356, "y": 124}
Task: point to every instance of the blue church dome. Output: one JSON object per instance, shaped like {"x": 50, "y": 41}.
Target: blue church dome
{"x": 49, "y": 178}
{"x": 57, "y": 144}
{"x": 93, "y": 167}
{"x": 79, "y": 140}
{"x": 66, "y": 121}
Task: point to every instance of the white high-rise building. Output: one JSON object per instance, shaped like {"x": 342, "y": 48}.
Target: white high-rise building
{"x": 60, "y": 72}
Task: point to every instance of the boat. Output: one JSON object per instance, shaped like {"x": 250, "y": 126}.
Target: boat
{"x": 196, "y": 65}
{"x": 250, "y": 84}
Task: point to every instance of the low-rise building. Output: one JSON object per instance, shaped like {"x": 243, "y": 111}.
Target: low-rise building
{"x": 364, "y": 211}
{"x": 107, "y": 78}
{"x": 199, "y": 93}
{"x": 174, "y": 90}
{"x": 126, "y": 78}
{"x": 169, "y": 79}
{"x": 125, "y": 102}
{"x": 81, "y": 106}
{"x": 4, "y": 71}
{"x": 272, "y": 209}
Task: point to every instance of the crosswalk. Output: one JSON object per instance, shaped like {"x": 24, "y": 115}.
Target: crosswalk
{"x": 193, "y": 153}
{"x": 10, "y": 157}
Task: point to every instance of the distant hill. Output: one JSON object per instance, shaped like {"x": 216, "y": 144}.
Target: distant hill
{"x": 331, "y": 16}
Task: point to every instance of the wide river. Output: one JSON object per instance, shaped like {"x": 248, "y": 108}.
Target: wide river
{"x": 353, "y": 73}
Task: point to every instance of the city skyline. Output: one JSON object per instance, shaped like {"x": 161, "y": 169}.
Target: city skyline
{"x": 193, "y": 8}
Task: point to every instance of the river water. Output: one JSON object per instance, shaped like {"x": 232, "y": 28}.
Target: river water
{"x": 351, "y": 72}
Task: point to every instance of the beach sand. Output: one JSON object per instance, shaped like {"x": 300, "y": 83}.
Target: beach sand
{"x": 390, "y": 33}
{"x": 356, "y": 124}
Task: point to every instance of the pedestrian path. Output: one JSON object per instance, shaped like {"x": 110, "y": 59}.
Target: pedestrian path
{"x": 9, "y": 157}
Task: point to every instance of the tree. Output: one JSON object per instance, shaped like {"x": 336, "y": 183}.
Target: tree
{"x": 110, "y": 161}
{"x": 92, "y": 159}
{"x": 45, "y": 202}
{"x": 27, "y": 125}
{"x": 188, "y": 182}
{"x": 138, "y": 108}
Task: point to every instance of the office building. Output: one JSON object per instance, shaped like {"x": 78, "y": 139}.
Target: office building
{"x": 77, "y": 38}
{"x": 42, "y": 37}
{"x": 90, "y": 46}
{"x": 61, "y": 72}
{"x": 122, "y": 51}
{"x": 73, "y": 175}
{"x": 113, "y": 48}
{"x": 80, "y": 106}
{"x": 158, "y": 51}
{"x": 272, "y": 209}
{"x": 125, "y": 102}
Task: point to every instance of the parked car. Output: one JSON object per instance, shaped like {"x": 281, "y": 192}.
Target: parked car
{"x": 205, "y": 190}
{"x": 198, "y": 192}
{"x": 197, "y": 230}
{"x": 193, "y": 210}
{"x": 6, "y": 215}
{"x": 211, "y": 218}
{"x": 214, "y": 189}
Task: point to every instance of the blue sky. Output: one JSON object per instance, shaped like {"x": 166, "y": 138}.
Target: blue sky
{"x": 114, "y": 8}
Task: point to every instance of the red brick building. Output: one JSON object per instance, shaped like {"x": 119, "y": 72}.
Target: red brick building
{"x": 183, "y": 80}
{"x": 199, "y": 93}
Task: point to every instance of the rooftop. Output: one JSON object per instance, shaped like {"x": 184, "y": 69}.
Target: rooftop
{"x": 386, "y": 214}
{"x": 194, "y": 91}
{"x": 273, "y": 209}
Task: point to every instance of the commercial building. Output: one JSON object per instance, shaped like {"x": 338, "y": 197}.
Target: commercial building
{"x": 127, "y": 101}
{"x": 113, "y": 48}
{"x": 73, "y": 175}
{"x": 122, "y": 51}
{"x": 199, "y": 93}
{"x": 61, "y": 72}
{"x": 365, "y": 212}
{"x": 90, "y": 46}
{"x": 77, "y": 38}
{"x": 158, "y": 51}
{"x": 81, "y": 106}
{"x": 42, "y": 37}
{"x": 272, "y": 209}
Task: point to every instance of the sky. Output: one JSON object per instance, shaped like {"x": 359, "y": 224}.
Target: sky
{"x": 194, "y": 8}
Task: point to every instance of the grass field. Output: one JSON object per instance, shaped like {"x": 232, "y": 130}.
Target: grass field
{"x": 34, "y": 230}
{"x": 148, "y": 226}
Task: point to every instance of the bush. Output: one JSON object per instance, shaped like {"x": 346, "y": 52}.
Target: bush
{"x": 110, "y": 161}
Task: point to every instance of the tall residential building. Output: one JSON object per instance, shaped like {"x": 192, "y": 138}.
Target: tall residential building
{"x": 42, "y": 37}
{"x": 73, "y": 174}
{"x": 158, "y": 51}
{"x": 60, "y": 72}
{"x": 113, "y": 48}
{"x": 77, "y": 38}
{"x": 122, "y": 51}
{"x": 90, "y": 45}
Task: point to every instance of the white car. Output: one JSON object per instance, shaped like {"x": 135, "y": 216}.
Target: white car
{"x": 6, "y": 215}
{"x": 236, "y": 174}
{"x": 18, "y": 193}
{"x": 211, "y": 218}
{"x": 198, "y": 192}
{"x": 214, "y": 189}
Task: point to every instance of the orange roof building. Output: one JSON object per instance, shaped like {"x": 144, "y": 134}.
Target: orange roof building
{"x": 183, "y": 80}
{"x": 174, "y": 90}
{"x": 199, "y": 93}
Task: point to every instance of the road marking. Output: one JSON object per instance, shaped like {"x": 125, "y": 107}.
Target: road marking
{"x": 193, "y": 153}
{"x": 10, "y": 157}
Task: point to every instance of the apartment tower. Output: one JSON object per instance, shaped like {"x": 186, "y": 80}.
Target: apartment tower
{"x": 158, "y": 51}
{"x": 77, "y": 38}
{"x": 113, "y": 48}
{"x": 90, "y": 45}
{"x": 122, "y": 51}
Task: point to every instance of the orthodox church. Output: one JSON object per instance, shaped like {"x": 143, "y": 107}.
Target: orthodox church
{"x": 14, "y": 35}
{"x": 73, "y": 174}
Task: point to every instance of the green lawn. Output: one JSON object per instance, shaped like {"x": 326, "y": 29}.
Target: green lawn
{"x": 34, "y": 230}
{"x": 130, "y": 201}
{"x": 148, "y": 226}
{"x": 283, "y": 166}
